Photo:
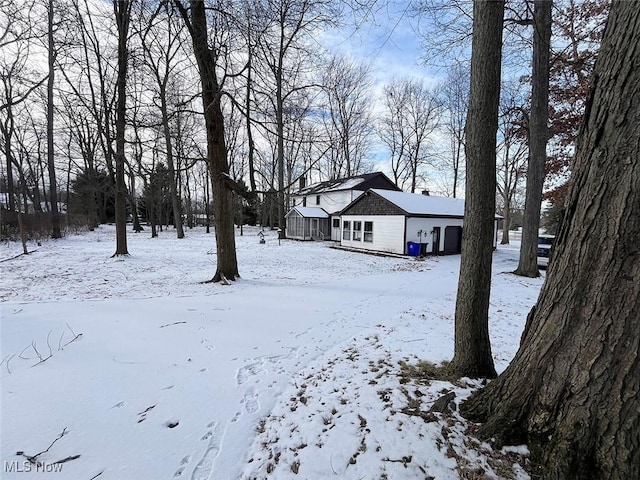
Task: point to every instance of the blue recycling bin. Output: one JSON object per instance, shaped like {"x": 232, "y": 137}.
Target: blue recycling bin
{"x": 413, "y": 249}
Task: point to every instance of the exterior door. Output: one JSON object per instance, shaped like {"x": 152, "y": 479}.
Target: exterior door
{"x": 314, "y": 228}
{"x": 452, "y": 240}
{"x": 335, "y": 229}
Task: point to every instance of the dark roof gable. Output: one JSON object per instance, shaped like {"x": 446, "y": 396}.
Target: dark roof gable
{"x": 357, "y": 182}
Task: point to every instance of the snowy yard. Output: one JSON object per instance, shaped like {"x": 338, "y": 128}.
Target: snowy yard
{"x": 290, "y": 373}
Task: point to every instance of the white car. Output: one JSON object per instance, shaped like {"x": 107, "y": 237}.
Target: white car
{"x": 545, "y": 243}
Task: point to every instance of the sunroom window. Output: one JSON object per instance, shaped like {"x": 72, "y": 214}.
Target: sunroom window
{"x": 368, "y": 232}
{"x": 346, "y": 230}
{"x": 357, "y": 231}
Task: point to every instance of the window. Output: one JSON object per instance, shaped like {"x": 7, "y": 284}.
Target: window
{"x": 336, "y": 223}
{"x": 368, "y": 232}
{"x": 304, "y": 201}
{"x": 346, "y": 230}
{"x": 317, "y": 199}
{"x": 357, "y": 231}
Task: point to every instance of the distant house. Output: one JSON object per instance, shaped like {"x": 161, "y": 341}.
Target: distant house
{"x": 316, "y": 208}
{"x": 386, "y": 221}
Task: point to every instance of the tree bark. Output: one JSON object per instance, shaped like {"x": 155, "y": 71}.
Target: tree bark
{"x": 122, "y": 10}
{"x": 572, "y": 389}
{"x": 280, "y": 135}
{"x": 538, "y": 136}
{"x": 227, "y": 267}
{"x": 53, "y": 187}
{"x": 175, "y": 198}
{"x": 472, "y": 355}
{"x": 506, "y": 223}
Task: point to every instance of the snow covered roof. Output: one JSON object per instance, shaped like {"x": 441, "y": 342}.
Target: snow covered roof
{"x": 415, "y": 204}
{"x": 348, "y": 183}
{"x": 309, "y": 212}
{"x": 418, "y": 204}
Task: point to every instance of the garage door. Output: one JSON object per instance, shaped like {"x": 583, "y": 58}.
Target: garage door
{"x": 452, "y": 240}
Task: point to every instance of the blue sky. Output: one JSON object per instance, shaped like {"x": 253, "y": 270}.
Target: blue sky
{"x": 388, "y": 41}
{"x": 392, "y": 48}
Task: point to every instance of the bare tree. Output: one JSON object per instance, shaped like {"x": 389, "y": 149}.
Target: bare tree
{"x": 288, "y": 24}
{"x": 53, "y": 187}
{"x": 161, "y": 42}
{"x": 571, "y": 390}
{"x": 472, "y": 356}
{"x": 512, "y": 150}
{"x": 538, "y": 137}
{"x": 412, "y": 116}
{"x": 347, "y": 120}
{"x": 122, "y": 10}
{"x": 17, "y": 81}
{"x": 455, "y": 92}
{"x": 209, "y": 60}
{"x": 95, "y": 89}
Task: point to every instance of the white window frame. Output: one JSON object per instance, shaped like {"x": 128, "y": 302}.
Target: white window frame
{"x": 357, "y": 231}
{"x": 368, "y": 234}
{"x": 346, "y": 230}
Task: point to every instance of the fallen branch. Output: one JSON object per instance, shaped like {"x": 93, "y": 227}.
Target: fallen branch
{"x": 34, "y": 458}
{"x": 19, "y": 255}
{"x": 42, "y": 359}
{"x": 24, "y": 350}
{"x": 7, "y": 359}
{"x": 75, "y": 337}
{"x": 67, "y": 459}
{"x": 169, "y": 324}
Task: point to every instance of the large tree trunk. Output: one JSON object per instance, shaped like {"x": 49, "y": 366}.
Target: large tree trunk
{"x": 280, "y": 152}
{"x": 571, "y": 391}
{"x": 122, "y": 10}
{"x": 538, "y": 136}
{"x": 53, "y": 187}
{"x": 506, "y": 223}
{"x": 227, "y": 268}
{"x": 472, "y": 355}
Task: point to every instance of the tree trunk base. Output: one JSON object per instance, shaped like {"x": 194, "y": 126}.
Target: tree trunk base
{"x": 523, "y": 273}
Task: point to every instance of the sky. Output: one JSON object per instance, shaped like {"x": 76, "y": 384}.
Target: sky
{"x": 388, "y": 41}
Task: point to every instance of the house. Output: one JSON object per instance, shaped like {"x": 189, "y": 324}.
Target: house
{"x": 316, "y": 208}
{"x": 386, "y": 221}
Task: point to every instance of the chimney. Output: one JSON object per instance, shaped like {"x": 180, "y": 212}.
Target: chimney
{"x": 425, "y": 192}
{"x": 303, "y": 182}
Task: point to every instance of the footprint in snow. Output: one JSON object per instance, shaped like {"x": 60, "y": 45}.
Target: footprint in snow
{"x": 204, "y": 468}
{"x": 250, "y": 400}
{"x": 183, "y": 465}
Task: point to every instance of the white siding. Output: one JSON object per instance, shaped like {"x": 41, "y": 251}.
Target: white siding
{"x": 332, "y": 202}
{"x": 388, "y": 233}
{"x": 426, "y": 225}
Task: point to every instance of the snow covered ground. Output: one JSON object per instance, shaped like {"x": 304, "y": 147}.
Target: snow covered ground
{"x": 132, "y": 368}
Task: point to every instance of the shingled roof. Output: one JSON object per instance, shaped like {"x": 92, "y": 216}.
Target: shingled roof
{"x": 357, "y": 182}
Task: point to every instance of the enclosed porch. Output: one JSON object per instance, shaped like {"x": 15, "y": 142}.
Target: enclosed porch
{"x": 307, "y": 223}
